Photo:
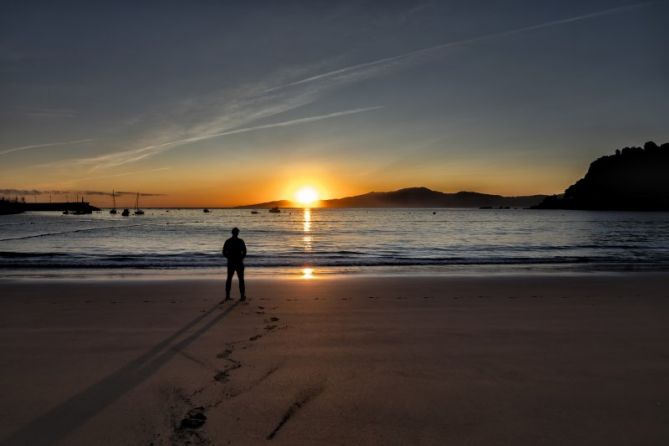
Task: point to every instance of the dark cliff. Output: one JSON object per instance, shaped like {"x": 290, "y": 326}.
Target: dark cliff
{"x": 634, "y": 178}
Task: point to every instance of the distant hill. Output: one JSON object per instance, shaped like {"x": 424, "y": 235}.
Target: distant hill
{"x": 417, "y": 197}
{"x": 634, "y": 178}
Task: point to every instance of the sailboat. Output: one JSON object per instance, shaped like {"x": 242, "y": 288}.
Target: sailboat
{"x": 138, "y": 211}
{"x": 113, "y": 211}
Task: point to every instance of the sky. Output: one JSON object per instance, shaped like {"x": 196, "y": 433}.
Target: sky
{"x": 220, "y": 103}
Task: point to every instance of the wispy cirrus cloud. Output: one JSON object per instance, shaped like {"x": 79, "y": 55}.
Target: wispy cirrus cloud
{"x": 229, "y": 113}
{"x": 48, "y": 112}
{"x": 133, "y": 155}
{"x": 40, "y": 146}
{"x": 71, "y": 182}
{"x": 372, "y": 68}
{"x": 38, "y": 192}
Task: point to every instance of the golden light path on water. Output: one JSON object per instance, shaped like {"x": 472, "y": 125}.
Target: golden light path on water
{"x": 307, "y": 272}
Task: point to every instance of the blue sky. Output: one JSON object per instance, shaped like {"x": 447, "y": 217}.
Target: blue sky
{"x": 244, "y": 100}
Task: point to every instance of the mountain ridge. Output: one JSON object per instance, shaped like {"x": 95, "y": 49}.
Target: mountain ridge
{"x": 414, "y": 197}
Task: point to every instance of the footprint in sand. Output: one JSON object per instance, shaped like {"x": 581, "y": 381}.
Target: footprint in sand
{"x": 194, "y": 419}
{"x": 224, "y": 354}
{"x": 222, "y": 376}
{"x": 255, "y": 338}
{"x": 270, "y": 327}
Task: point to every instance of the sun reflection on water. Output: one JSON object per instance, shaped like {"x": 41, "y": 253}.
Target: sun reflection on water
{"x": 307, "y": 273}
{"x": 307, "y": 220}
{"x": 306, "y": 228}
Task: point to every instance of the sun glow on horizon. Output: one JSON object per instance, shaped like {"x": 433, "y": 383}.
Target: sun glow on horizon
{"x": 306, "y": 195}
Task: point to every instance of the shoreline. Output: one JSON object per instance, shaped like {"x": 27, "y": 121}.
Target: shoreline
{"x": 308, "y": 272}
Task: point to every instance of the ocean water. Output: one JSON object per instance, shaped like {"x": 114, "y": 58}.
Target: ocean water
{"x": 331, "y": 239}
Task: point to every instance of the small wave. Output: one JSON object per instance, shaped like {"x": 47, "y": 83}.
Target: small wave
{"x": 73, "y": 231}
{"x": 9, "y": 260}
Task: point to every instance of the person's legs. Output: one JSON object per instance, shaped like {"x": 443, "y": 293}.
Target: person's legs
{"x": 242, "y": 285}
{"x": 228, "y": 281}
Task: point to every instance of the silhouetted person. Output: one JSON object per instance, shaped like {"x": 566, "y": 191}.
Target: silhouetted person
{"x": 234, "y": 250}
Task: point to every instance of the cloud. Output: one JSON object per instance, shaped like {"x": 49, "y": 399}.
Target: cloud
{"x": 372, "y": 68}
{"x": 134, "y": 155}
{"x": 49, "y": 112}
{"x": 228, "y": 113}
{"x": 36, "y": 192}
{"x": 39, "y": 146}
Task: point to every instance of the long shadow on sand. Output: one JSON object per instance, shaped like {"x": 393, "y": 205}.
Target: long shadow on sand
{"x": 57, "y": 423}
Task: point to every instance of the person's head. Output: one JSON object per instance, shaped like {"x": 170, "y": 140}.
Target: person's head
{"x": 235, "y": 231}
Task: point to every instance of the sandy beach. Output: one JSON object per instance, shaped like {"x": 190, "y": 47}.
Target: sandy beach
{"x": 506, "y": 360}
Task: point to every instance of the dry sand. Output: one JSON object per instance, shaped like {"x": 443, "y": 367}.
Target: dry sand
{"x": 534, "y": 360}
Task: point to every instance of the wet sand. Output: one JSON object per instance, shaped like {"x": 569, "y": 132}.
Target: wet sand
{"x": 516, "y": 360}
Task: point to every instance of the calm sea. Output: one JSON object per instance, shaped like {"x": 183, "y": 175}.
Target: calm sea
{"x": 343, "y": 239}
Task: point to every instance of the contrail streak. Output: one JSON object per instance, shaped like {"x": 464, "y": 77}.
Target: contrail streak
{"x": 39, "y": 146}
{"x": 387, "y": 61}
{"x": 129, "y": 156}
{"x": 276, "y": 124}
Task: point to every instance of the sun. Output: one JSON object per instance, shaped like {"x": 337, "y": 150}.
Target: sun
{"x": 306, "y": 195}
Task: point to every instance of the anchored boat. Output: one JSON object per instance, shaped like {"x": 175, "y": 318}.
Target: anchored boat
{"x": 113, "y": 210}
{"x": 138, "y": 211}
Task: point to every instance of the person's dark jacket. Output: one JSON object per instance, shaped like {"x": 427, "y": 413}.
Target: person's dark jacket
{"x": 234, "y": 250}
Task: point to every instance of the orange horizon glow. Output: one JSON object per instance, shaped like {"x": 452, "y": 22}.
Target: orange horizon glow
{"x": 299, "y": 190}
